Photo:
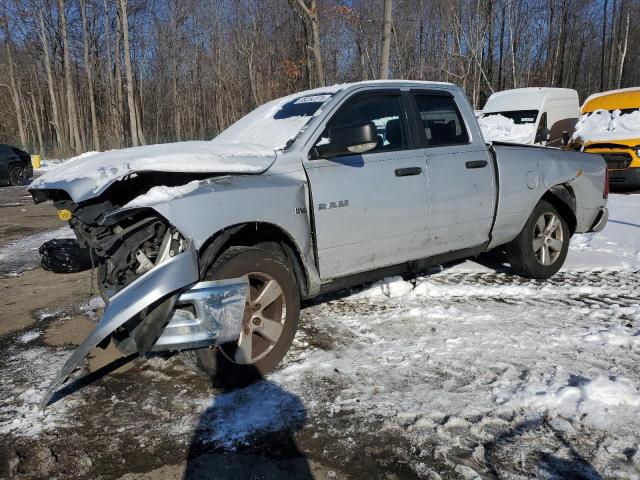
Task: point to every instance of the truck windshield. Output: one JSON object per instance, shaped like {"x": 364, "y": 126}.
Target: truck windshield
{"x": 519, "y": 117}
{"x": 277, "y": 123}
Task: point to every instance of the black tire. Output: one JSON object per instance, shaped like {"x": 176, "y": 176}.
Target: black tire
{"x": 262, "y": 263}
{"x": 530, "y": 261}
{"x": 18, "y": 175}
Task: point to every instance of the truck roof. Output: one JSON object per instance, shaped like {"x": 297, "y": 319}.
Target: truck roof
{"x": 392, "y": 83}
{"x": 621, "y": 99}
{"x": 531, "y": 98}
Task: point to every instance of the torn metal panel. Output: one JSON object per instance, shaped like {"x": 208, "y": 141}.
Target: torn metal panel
{"x": 166, "y": 278}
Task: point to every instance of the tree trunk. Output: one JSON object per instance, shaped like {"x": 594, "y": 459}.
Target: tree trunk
{"x": 604, "y": 36}
{"x": 36, "y": 118}
{"x": 386, "y": 40}
{"x": 317, "y": 54}
{"x": 61, "y": 140}
{"x": 13, "y": 85}
{"x": 310, "y": 18}
{"x": 489, "y": 62}
{"x": 562, "y": 43}
{"x": 623, "y": 53}
{"x": 88, "y": 71}
{"x": 133, "y": 121}
{"x": 74, "y": 132}
{"x": 501, "y": 47}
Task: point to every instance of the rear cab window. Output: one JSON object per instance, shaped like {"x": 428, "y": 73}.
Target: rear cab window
{"x": 440, "y": 122}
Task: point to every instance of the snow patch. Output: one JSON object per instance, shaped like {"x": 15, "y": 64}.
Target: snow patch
{"x": 603, "y": 125}
{"x": 22, "y": 254}
{"x": 161, "y": 194}
{"x": 233, "y": 418}
{"x": 591, "y": 401}
{"x": 29, "y": 336}
{"x": 500, "y": 128}
{"x": 616, "y": 336}
{"x": 23, "y": 380}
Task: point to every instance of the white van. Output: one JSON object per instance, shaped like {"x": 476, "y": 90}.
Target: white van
{"x": 536, "y": 115}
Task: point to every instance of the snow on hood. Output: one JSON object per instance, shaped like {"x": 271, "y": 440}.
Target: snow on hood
{"x": 603, "y": 126}
{"x": 162, "y": 193}
{"x": 503, "y": 129}
{"x": 89, "y": 175}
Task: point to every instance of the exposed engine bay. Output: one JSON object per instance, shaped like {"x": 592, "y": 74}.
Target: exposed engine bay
{"x": 148, "y": 274}
{"x": 123, "y": 246}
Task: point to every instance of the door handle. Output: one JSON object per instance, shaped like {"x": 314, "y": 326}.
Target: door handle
{"x": 477, "y": 164}
{"x": 406, "y": 172}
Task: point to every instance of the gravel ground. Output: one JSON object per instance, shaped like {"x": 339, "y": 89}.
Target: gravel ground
{"x": 469, "y": 372}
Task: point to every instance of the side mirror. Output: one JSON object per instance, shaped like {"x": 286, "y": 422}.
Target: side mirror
{"x": 542, "y": 135}
{"x": 566, "y": 137}
{"x": 358, "y": 138}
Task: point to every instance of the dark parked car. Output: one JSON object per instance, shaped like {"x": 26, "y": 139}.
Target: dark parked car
{"x": 15, "y": 166}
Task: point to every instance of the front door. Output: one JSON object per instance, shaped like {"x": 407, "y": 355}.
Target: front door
{"x": 370, "y": 210}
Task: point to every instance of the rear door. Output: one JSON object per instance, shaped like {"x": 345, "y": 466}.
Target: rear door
{"x": 461, "y": 179}
{"x": 370, "y": 210}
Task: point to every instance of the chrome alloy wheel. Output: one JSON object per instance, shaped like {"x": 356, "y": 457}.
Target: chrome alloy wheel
{"x": 263, "y": 322}
{"x": 548, "y": 238}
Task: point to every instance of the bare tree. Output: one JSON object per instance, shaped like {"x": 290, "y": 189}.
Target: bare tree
{"x": 72, "y": 114}
{"x": 386, "y": 40}
{"x": 13, "y": 84}
{"x": 309, "y": 15}
{"x": 126, "y": 71}
{"x": 89, "y": 73}
{"x": 133, "y": 120}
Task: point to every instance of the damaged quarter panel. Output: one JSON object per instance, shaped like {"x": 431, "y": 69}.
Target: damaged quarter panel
{"x": 527, "y": 173}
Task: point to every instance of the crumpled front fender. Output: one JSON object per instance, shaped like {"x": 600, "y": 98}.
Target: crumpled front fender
{"x": 168, "y": 277}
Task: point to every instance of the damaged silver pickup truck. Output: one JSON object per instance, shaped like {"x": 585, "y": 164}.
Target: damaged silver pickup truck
{"x": 209, "y": 247}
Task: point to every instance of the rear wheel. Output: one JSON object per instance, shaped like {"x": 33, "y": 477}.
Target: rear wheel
{"x": 18, "y": 176}
{"x": 271, "y": 314}
{"x": 540, "y": 249}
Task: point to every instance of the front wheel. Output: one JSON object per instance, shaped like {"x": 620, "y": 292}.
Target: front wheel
{"x": 271, "y": 314}
{"x": 18, "y": 176}
{"x": 540, "y": 249}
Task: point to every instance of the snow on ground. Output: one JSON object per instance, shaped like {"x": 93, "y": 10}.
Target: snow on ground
{"x": 496, "y": 127}
{"x": 22, "y": 254}
{"x": 471, "y": 371}
{"x": 26, "y": 374}
{"x": 603, "y": 125}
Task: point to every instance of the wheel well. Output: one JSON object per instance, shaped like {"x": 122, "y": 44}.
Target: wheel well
{"x": 250, "y": 234}
{"x": 564, "y": 200}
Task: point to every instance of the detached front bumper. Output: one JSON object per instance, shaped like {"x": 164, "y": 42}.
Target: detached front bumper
{"x": 215, "y": 317}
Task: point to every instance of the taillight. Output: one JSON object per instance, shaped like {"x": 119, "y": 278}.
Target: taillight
{"x": 605, "y": 189}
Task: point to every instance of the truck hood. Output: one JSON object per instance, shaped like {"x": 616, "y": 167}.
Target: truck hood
{"x": 89, "y": 175}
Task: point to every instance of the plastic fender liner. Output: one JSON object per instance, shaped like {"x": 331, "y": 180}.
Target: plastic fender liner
{"x": 164, "y": 279}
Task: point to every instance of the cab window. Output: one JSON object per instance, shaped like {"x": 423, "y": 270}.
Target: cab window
{"x": 385, "y": 111}
{"x": 441, "y": 120}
